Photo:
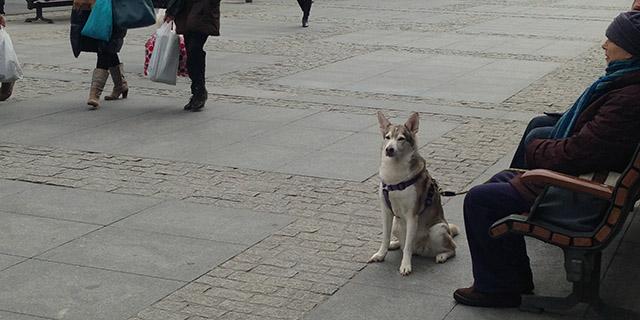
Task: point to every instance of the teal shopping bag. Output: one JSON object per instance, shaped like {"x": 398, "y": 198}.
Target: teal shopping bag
{"x": 100, "y": 23}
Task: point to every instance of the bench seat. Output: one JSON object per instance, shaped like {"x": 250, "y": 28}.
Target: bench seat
{"x": 582, "y": 247}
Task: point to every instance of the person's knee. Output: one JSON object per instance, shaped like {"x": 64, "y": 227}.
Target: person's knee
{"x": 538, "y": 133}
{"x": 472, "y": 199}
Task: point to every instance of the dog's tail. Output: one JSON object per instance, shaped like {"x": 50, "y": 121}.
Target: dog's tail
{"x": 455, "y": 230}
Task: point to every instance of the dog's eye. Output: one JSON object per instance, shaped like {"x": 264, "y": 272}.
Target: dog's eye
{"x": 387, "y": 137}
{"x": 401, "y": 139}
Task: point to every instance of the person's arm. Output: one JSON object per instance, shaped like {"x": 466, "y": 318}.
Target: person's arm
{"x": 608, "y": 135}
{"x": 636, "y": 5}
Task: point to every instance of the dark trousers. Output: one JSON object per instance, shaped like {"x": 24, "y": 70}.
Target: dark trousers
{"x": 539, "y": 128}
{"x": 196, "y": 60}
{"x": 499, "y": 265}
{"x": 107, "y": 60}
{"x": 305, "y": 5}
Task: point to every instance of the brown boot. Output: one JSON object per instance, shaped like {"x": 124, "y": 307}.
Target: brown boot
{"x": 120, "y": 86}
{"x": 98, "y": 81}
{"x": 6, "y": 90}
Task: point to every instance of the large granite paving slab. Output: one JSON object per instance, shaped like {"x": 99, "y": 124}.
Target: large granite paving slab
{"x": 61, "y": 291}
{"x": 621, "y": 4}
{"x": 542, "y": 27}
{"x": 206, "y": 222}
{"x": 547, "y": 11}
{"x": 29, "y": 236}
{"x": 32, "y": 109}
{"x": 165, "y": 116}
{"x": 404, "y": 4}
{"x": 75, "y": 205}
{"x": 461, "y": 312}
{"x": 333, "y": 164}
{"x": 7, "y": 261}
{"x": 467, "y": 42}
{"x": 322, "y": 14}
{"x": 365, "y": 302}
{"x": 9, "y": 187}
{"x": 147, "y": 253}
{"x": 425, "y": 75}
{"x": 17, "y": 316}
{"x": 201, "y": 142}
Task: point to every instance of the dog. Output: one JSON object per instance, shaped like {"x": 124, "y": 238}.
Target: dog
{"x": 410, "y": 200}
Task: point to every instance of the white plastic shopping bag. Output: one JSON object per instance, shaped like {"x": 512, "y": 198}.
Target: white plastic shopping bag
{"x": 10, "y": 69}
{"x": 163, "y": 65}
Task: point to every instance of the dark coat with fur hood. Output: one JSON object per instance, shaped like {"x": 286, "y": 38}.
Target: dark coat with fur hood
{"x": 604, "y": 138}
{"x": 202, "y": 16}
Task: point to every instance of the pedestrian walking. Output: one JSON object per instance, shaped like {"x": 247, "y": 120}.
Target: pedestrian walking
{"x": 108, "y": 61}
{"x": 196, "y": 20}
{"x": 305, "y": 5}
{"x": 6, "y": 90}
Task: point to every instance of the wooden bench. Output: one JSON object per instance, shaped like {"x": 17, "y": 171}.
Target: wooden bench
{"x": 39, "y": 4}
{"x": 582, "y": 250}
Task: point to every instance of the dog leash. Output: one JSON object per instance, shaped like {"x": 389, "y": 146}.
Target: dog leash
{"x": 452, "y": 193}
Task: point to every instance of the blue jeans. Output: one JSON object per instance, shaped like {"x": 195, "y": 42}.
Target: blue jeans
{"x": 499, "y": 265}
{"x": 539, "y": 128}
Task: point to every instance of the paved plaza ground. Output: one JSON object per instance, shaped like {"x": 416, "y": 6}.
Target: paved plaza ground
{"x": 264, "y": 205}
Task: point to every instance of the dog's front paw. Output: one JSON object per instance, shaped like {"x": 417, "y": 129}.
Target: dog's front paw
{"x": 405, "y": 269}
{"x": 378, "y": 257}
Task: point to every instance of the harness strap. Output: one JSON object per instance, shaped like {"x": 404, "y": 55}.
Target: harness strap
{"x": 405, "y": 184}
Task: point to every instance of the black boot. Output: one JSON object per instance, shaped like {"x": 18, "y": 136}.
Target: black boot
{"x": 198, "y": 100}
{"x": 189, "y": 105}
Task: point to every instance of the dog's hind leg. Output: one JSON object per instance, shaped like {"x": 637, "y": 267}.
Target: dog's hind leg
{"x": 442, "y": 242}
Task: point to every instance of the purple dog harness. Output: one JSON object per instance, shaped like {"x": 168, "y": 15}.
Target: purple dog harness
{"x": 406, "y": 184}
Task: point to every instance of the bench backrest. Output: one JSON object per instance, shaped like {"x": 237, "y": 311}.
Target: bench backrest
{"x": 625, "y": 195}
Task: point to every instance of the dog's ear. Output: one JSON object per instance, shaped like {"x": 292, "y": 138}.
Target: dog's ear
{"x": 413, "y": 123}
{"x": 384, "y": 123}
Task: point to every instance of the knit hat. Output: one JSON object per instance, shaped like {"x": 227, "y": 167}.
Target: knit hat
{"x": 625, "y": 32}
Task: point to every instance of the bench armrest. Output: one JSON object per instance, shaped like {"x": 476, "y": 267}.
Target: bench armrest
{"x": 552, "y": 178}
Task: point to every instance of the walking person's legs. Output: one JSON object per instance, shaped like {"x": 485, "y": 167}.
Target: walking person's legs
{"x": 120, "y": 85}
{"x": 305, "y": 6}
{"x": 501, "y": 268}
{"x": 196, "y": 64}
{"x": 100, "y": 75}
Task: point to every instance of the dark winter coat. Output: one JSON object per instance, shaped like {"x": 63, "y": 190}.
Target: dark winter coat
{"x": 79, "y": 43}
{"x": 202, "y": 16}
{"x": 604, "y": 138}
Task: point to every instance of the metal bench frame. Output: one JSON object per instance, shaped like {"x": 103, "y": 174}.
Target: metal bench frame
{"x": 39, "y": 4}
{"x": 582, "y": 250}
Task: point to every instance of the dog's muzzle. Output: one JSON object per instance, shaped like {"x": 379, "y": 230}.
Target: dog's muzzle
{"x": 390, "y": 152}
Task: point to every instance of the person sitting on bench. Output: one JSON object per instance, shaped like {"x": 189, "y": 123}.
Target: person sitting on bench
{"x": 599, "y": 133}
{"x": 540, "y": 127}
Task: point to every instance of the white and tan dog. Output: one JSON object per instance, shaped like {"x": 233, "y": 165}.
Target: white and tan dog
{"x": 410, "y": 200}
